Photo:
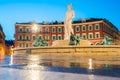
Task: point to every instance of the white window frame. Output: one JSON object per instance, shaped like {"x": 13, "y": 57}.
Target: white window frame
{"x": 39, "y": 37}
{"x": 85, "y": 35}
{"x": 19, "y": 29}
{"x": 19, "y": 37}
{"x": 76, "y": 28}
{"x": 26, "y": 37}
{"x": 89, "y": 35}
{"x": 32, "y": 37}
{"x": 89, "y": 27}
{"x": 98, "y": 35}
{"x": 53, "y": 28}
{"x": 59, "y": 28}
{"x": 28, "y": 29}
{"x": 26, "y": 45}
{"x": 19, "y": 45}
{"x": 46, "y": 37}
{"x": 53, "y": 36}
{"x": 98, "y": 26}
{"x": 46, "y": 29}
{"x": 85, "y": 27}
{"x": 59, "y": 36}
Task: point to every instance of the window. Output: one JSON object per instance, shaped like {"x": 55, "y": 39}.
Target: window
{"x": 33, "y": 37}
{"x": 53, "y": 29}
{"x": 59, "y": 37}
{"x": 20, "y": 30}
{"x": 53, "y": 37}
{"x": 59, "y": 29}
{"x": 40, "y": 37}
{"x": 90, "y": 35}
{"x": 27, "y": 38}
{"x": 90, "y": 27}
{"x": 40, "y": 30}
{"x": 20, "y": 45}
{"x": 83, "y": 28}
{"x": 77, "y": 28}
{"x": 84, "y": 36}
{"x": 46, "y": 38}
{"x": 20, "y": 37}
{"x": 97, "y": 35}
{"x": 47, "y": 30}
{"x": 27, "y": 45}
{"x": 97, "y": 27}
{"x": 27, "y": 30}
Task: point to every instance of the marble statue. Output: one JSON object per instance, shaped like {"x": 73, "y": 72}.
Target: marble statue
{"x": 68, "y": 23}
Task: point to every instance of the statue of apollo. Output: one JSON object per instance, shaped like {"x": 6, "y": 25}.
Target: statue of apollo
{"x": 68, "y": 23}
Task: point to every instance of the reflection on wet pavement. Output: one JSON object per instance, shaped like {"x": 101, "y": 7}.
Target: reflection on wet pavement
{"x": 34, "y": 67}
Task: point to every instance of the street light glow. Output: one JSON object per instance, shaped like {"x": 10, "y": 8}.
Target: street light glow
{"x": 34, "y": 26}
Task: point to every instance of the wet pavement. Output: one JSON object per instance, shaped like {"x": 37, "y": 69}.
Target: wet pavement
{"x": 36, "y": 67}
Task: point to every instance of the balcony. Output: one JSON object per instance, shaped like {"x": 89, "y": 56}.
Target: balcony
{"x": 44, "y": 32}
{"x": 23, "y": 40}
{"x": 24, "y": 32}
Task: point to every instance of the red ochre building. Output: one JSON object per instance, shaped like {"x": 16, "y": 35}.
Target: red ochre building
{"x": 92, "y": 29}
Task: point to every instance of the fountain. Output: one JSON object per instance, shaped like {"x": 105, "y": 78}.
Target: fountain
{"x": 71, "y": 45}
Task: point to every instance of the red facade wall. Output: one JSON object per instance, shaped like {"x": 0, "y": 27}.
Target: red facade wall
{"x": 57, "y": 33}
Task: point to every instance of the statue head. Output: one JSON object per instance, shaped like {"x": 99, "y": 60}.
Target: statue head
{"x": 69, "y": 6}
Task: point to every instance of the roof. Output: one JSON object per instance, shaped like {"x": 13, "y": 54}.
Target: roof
{"x": 76, "y": 21}
{"x": 84, "y": 20}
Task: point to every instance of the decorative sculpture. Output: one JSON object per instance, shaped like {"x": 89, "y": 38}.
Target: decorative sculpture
{"x": 72, "y": 39}
{"x": 77, "y": 40}
{"x": 44, "y": 43}
{"x": 68, "y": 22}
{"x": 39, "y": 42}
{"x": 36, "y": 42}
{"x": 106, "y": 40}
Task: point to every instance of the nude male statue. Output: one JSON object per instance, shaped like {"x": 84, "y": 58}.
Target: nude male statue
{"x": 68, "y": 23}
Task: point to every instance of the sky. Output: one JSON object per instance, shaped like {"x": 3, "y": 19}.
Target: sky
{"x": 12, "y": 11}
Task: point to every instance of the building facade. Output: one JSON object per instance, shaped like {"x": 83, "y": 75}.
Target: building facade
{"x": 92, "y": 29}
{"x": 2, "y": 41}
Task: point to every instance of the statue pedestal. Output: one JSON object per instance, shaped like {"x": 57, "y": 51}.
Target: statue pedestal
{"x": 60, "y": 43}
{"x": 66, "y": 43}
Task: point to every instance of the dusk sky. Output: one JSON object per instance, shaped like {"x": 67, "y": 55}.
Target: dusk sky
{"x": 12, "y": 11}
